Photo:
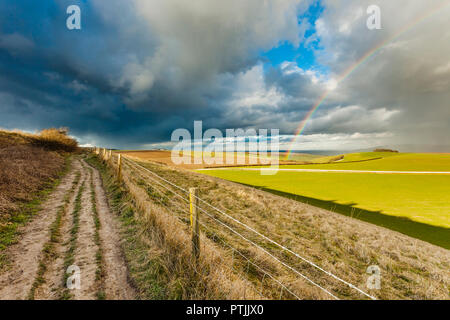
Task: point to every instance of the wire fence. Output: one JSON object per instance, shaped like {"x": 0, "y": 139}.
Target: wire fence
{"x": 216, "y": 238}
{"x": 160, "y": 183}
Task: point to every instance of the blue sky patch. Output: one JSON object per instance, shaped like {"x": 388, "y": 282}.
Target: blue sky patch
{"x": 303, "y": 55}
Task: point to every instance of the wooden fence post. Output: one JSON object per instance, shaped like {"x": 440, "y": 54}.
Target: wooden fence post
{"x": 110, "y": 155}
{"x": 119, "y": 167}
{"x": 195, "y": 229}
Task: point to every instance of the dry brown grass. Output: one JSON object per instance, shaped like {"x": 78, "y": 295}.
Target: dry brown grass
{"x": 168, "y": 240}
{"x": 27, "y": 163}
{"x": 23, "y": 170}
{"x": 51, "y": 139}
{"x": 410, "y": 268}
{"x": 57, "y": 139}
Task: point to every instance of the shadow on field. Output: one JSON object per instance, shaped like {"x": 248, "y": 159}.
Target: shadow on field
{"x": 436, "y": 235}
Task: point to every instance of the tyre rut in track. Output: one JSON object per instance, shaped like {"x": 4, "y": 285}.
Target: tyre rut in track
{"x": 24, "y": 256}
{"x": 79, "y": 227}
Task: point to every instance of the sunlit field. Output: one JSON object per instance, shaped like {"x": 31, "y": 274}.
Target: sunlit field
{"x": 386, "y": 161}
{"x": 423, "y": 199}
{"x": 238, "y": 158}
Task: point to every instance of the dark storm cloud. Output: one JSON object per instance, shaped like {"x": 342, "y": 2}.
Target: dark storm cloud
{"x": 140, "y": 69}
{"x": 134, "y": 72}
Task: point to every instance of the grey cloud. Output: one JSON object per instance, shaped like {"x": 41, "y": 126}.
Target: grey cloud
{"x": 139, "y": 74}
{"x": 352, "y": 119}
{"x": 16, "y": 43}
{"x": 193, "y": 43}
{"x": 402, "y": 75}
{"x": 131, "y": 78}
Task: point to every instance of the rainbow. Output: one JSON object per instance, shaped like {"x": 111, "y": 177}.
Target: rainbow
{"x": 358, "y": 63}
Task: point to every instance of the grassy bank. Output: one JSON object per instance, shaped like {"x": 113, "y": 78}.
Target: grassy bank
{"x": 25, "y": 210}
{"x": 31, "y": 166}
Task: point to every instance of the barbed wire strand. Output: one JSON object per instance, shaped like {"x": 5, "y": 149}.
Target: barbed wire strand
{"x": 270, "y": 254}
{"x": 266, "y": 273}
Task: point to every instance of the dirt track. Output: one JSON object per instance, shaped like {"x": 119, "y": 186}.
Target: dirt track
{"x": 38, "y": 261}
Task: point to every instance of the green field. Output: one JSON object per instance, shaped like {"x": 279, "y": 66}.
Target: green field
{"x": 414, "y": 204}
{"x": 385, "y": 161}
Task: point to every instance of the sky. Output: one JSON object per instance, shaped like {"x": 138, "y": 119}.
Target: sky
{"x": 139, "y": 69}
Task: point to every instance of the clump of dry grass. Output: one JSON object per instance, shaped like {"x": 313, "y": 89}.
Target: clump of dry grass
{"x": 51, "y": 139}
{"x": 57, "y": 139}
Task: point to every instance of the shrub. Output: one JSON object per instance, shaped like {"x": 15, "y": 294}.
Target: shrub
{"x": 57, "y": 139}
{"x": 385, "y": 150}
